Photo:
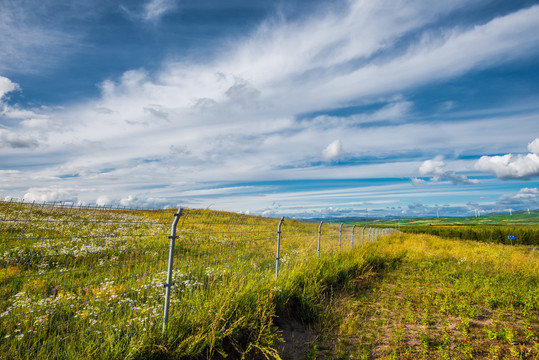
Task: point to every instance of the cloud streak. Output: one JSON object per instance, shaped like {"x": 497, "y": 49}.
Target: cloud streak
{"x": 265, "y": 106}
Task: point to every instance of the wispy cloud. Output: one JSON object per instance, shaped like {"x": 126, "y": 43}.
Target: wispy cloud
{"x": 239, "y": 114}
{"x": 152, "y": 11}
{"x": 29, "y": 42}
{"x": 155, "y": 9}
{"x": 525, "y": 197}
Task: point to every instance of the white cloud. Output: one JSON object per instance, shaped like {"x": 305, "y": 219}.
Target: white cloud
{"x": 511, "y": 166}
{"x": 393, "y": 112}
{"x": 436, "y": 169}
{"x": 30, "y": 43}
{"x": 233, "y": 116}
{"x": 46, "y": 195}
{"x": 103, "y": 200}
{"x": 533, "y": 147}
{"x": 6, "y": 86}
{"x": 155, "y": 9}
{"x": 152, "y": 11}
{"x": 525, "y": 197}
{"x": 9, "y": 139}
{"x": 417, "y": 181}
{"x": 333, "y": 151}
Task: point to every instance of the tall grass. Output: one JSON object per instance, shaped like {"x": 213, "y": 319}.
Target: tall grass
{"x": 89, "y": 285}
{"x": 523, "y": 234}
{"x": 88, "y": 282}
{"x": 441, "y": 299}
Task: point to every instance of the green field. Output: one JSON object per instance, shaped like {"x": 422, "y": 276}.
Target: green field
{"x": 517, "y": 218}
{"x": 88, "y": 284}
{"x": 500, "y": 229}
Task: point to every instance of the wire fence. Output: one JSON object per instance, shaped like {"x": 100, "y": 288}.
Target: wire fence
{"x": 72, "y": 276}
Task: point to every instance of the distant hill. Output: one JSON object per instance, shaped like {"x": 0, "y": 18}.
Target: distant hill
{"x": 517, "y": 218}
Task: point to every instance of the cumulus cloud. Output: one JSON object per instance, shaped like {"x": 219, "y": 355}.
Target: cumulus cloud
{"x": 333, "y": 151}
{"x": 511, "y": 166}
{"x": 436, "y": 169}
{"x": 134, "y": 201}
{"x": 46, "y": 195}
{"x": 533, "y": 147}
{"x": 6, "y": 86}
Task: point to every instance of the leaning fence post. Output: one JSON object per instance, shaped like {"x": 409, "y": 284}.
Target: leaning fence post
{"x": 340, "y": 235}
{"x": 169, "y": 282}
{"x": 278, "y": 248}
{"x": 319, "y": 232}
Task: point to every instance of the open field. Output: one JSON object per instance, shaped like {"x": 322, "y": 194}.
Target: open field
{"x": 517, "y": 218}
{"x": 523, "y": 226}
{"x": 430, "y": 298}
{"x": 88, "y": 283}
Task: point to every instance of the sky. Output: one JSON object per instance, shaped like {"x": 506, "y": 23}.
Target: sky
{"x": 292, "y": 108}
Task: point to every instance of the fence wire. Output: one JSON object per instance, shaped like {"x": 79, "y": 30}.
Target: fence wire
{"x": 62, "y": 265}
{"x": 72, "y": 275}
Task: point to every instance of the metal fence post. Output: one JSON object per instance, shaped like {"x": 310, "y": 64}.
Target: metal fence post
{"x": 340, "y": 236}
{"x": 319, "y": 232}
{"x": 169, "y": 282}
{"x": 363, "y": 235}
{"x": 278, "y": 248}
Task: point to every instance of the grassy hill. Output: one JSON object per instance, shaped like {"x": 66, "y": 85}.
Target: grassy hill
{"x": 517, "y": 218}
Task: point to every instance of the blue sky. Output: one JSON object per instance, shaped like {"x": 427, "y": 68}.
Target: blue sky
{"x": 296, "y": 108}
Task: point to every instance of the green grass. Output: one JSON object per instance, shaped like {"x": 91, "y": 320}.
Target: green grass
{"x": 87, "y": 284}
{"x": 404, "y": 297}
{"x": 492, "y": 228}
{"x": 439, "y": 299}
{"x": 517, "y": 218}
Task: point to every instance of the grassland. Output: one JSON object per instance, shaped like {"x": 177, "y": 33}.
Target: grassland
{"x": 431, "y": 298}
{"x": 521, "y": 228}
{"x": 517, "y": 218}
{"x": 88, "y": 284}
